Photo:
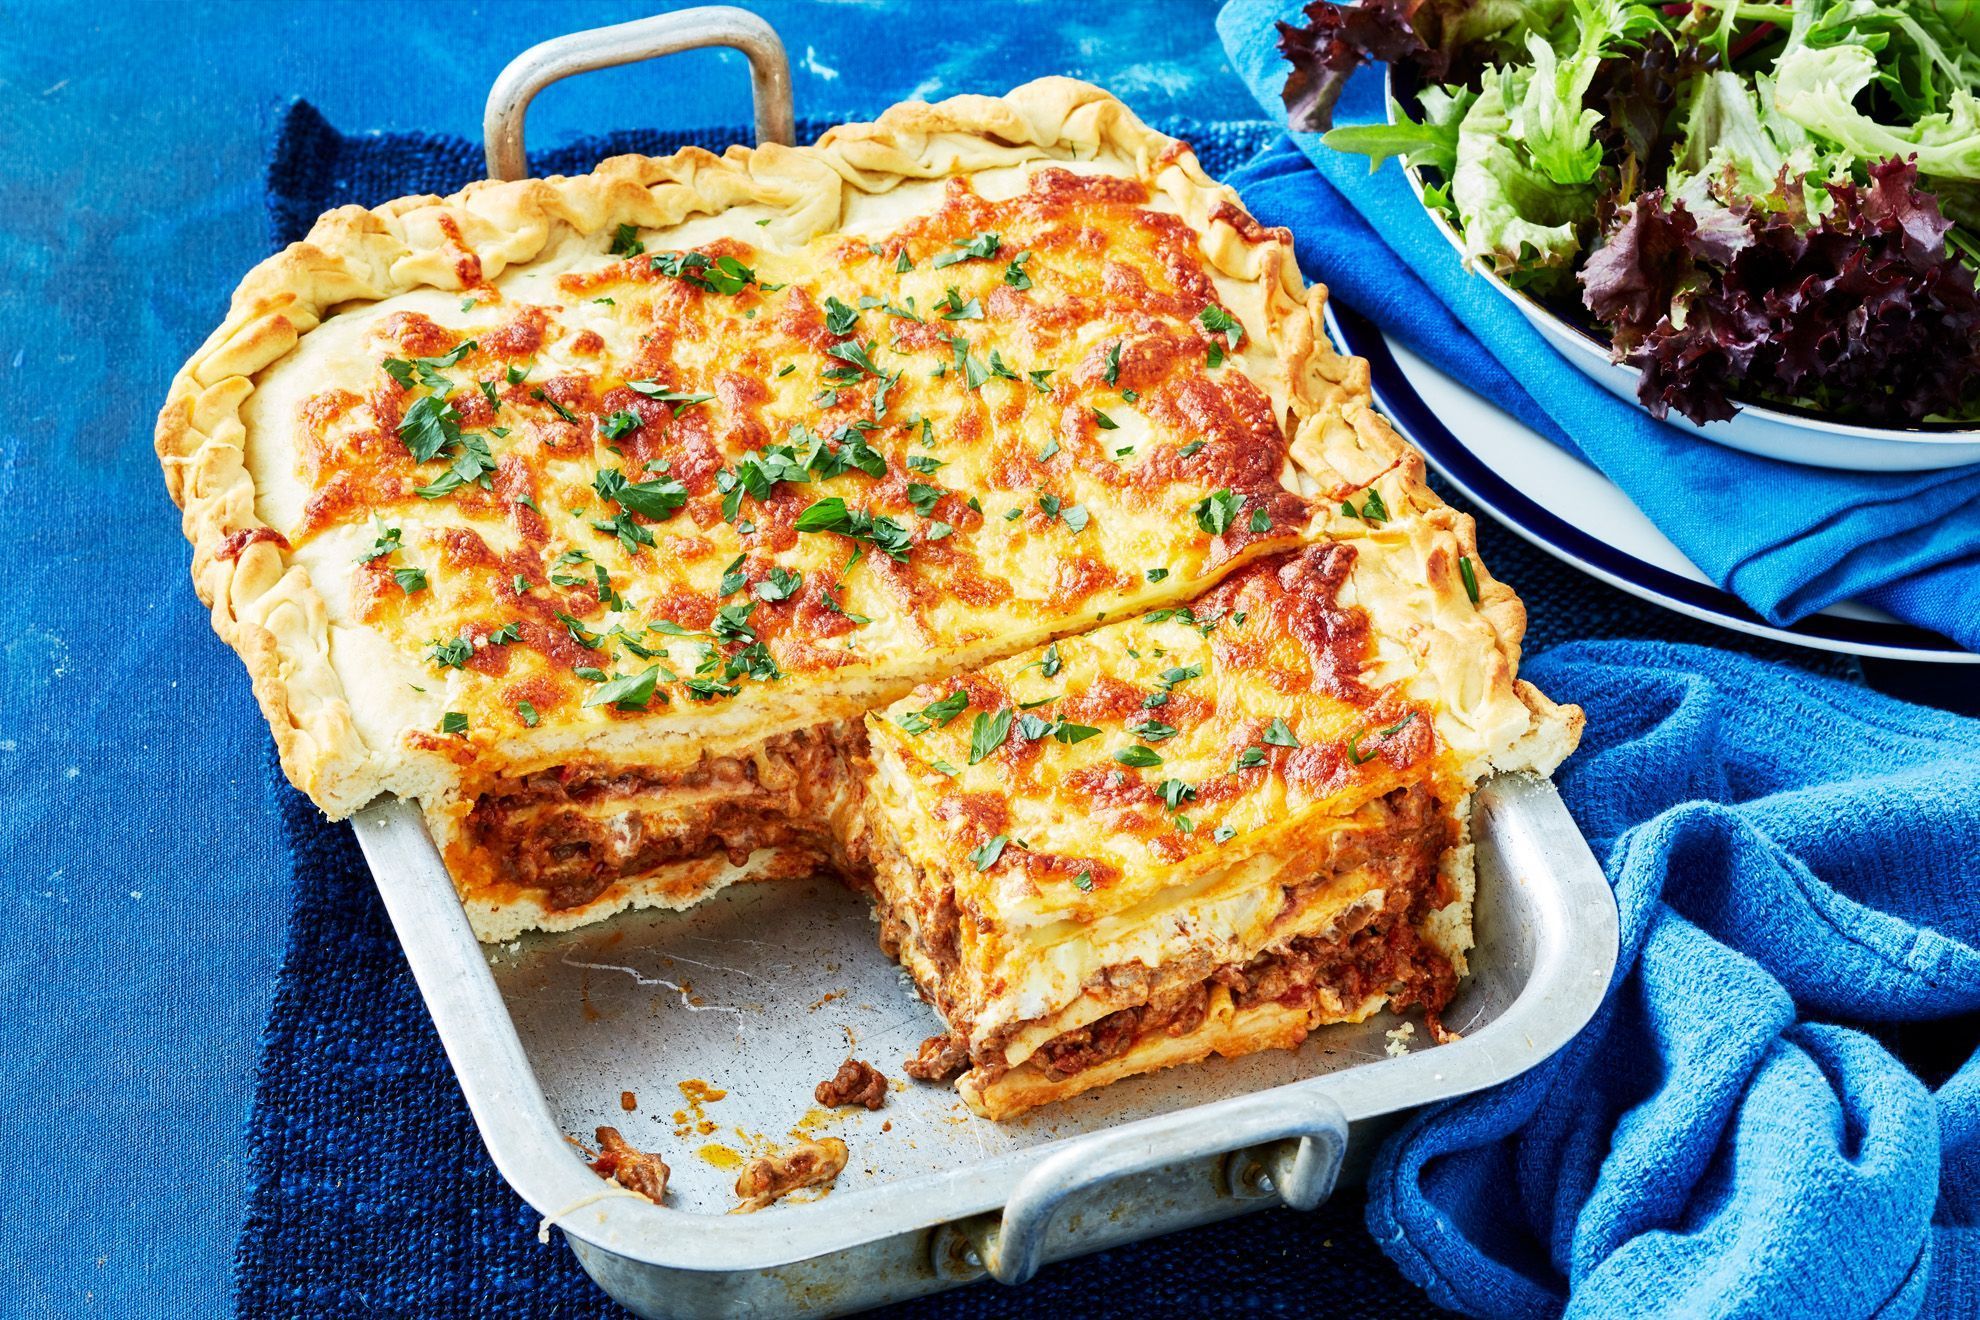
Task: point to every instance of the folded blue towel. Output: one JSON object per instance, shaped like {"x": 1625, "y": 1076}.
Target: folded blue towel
{"x": 1790, "y": 853}
{"x": 1786, "y": 539}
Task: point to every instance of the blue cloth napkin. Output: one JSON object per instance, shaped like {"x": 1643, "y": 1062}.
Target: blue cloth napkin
{"x": 1748, "y": 1126}
{"x": 1786, "y": 539}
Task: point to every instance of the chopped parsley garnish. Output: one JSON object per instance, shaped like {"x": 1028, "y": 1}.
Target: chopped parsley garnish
{"x": 1261, "y": 521}
{"x": 1040, "y": 379}
{"x": 452, "y": 654}
{"x": 680, "y": 399}
{"x": 753, "y": 660}
{"x": 410, "y": 579}
{"x": 1153, "y": 730}
{"x": 832, "y": 515}
{"x": 1156, "y": 574}
{"x": 488, "y": 393}
{"x": 902, "y": 264}
{"x": 1015, "y": 274}
{"x": 974, "y": 372}
{"x": 923, "y": 497}
{"x": 981, "y": 247}
{"x": 732, "y": 623}
{"x": 1083, "y": 881}
{"x": 1359, "y": 757}
{"x": 1279, "y": 735}
{"x": 733, "y": 578}
{"x": 955, "y": 308}
{"x": 1180, "y": 674}
{"x": 860, "y": 357}
{"x": 454, "y": 724}
{"x": 1104, "y": 422}
{"x": 627, "y": 691}
{"x": 782, "y": 584}
{"x": 1114, "y": 363}
{"x": 1372, "y": 509}
{"x": 387, "y": 542}
{"x": 925, "y": 463}
{"x": 1051, "y": 664}
{"x": 1214, "y": 358}
{"x": 528, "y": 713}
{"x": 1139, "y": 757}
{"x": 1032, "y": 727}
{"x": 516, "y": 375}
{"x": 556, "y": 407}
{"x": 625, "y": 241}
{"x": 579, "y": 633}
{"x": 1220, "y": 322}
{"x": 658, "y": 498}
{"x": 619, "y": 423}
{"x": 1250, "y": 758}
{"x": 986, "y": 857}
{"x": 1189, "y": 449}
{"x": 988, "y": 733}
{"x": 1075, "y": 517}
{"x": 839, "y": 318}
{"x": 472, "y": 464}
{"x": 716, "y": 275}
{"x": 759, "y": 472}
{"x": 934, "y": 714}
{"x": 428, "y": 369}
{"x": 843, "y": 452}
{"x": 1470, "y": 576}
{"x": 429, "y": 426}
{"x": 1175, "y": 792}
{"x": 508, "y": 632}
{"x": 1223, "y": 834}
{"x": 1215, "y": 511}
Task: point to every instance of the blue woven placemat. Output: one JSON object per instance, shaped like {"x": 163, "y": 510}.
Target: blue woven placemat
{"x": 371, "y": 1192}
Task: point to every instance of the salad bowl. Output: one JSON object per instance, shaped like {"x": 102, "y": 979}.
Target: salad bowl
{"x": 1791, "y": 435}
{"x": 1770, "y": 212}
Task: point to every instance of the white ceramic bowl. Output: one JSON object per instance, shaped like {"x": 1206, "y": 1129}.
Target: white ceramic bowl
{"x": 1794, "y": 437}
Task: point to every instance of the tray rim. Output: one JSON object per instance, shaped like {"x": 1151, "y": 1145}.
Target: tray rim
{"x": 1575, "y": 949}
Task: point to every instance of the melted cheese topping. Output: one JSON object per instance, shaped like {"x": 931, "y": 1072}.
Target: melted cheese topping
{"x": 1008, "y": 407}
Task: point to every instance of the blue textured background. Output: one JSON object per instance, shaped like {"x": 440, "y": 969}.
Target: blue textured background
{"x": 144, "y": 891}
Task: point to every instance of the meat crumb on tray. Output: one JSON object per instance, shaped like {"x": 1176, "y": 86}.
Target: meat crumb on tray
{"x": 633, "y": 1169}
{"x": 856, "y": 1083}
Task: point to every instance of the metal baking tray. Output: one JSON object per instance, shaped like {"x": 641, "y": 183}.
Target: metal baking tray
{"x": 761, "y": 991}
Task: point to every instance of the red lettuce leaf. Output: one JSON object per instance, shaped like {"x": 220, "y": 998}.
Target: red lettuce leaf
{"x": 1864, "y": 313}
{"x": 1337, "y": 40}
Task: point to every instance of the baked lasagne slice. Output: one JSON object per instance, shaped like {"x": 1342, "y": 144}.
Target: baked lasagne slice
{"x": 1208, "y": 829}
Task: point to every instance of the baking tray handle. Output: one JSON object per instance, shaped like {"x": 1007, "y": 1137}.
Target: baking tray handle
{"x": 1303, "y": 1130}
{"x": 627, "y": 43}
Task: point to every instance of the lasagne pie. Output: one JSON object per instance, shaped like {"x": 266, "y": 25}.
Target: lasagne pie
{"x": 970, "y": 503}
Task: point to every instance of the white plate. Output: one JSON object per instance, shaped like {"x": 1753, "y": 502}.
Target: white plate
{"x": 1573, "y": 512}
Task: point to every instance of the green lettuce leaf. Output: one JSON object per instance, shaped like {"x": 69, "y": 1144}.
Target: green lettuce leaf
{"x": 1517, "y": 220}
{"x": 1817, "y": 87}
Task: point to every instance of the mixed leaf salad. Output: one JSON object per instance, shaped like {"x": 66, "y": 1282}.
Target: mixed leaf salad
{"x": 1758, "y": 200}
